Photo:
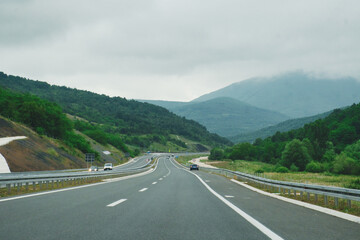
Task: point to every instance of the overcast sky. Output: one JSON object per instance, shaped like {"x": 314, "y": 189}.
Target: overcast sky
{"x": 175, "y": 50}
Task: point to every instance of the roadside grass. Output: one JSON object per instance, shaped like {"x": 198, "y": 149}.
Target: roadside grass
{"x": 185, "y": 159}
{"x": 327, "y": 179}
{"x": 318, "y": 200}
{"x": 15, "y": 189}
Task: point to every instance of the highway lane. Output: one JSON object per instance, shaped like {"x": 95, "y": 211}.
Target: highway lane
{"x": 169, "y": 203}
{"x": 287, "y": 220}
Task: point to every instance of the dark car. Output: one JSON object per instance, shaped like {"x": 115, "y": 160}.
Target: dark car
{"x": 93, "y": 169}
{"x": 194, "y": 167}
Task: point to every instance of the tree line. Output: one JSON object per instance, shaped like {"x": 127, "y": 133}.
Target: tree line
{"x": 326, "y": 145}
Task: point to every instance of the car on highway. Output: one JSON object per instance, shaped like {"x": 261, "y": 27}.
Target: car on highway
{"x": 108, "y": 166}
{"x": 194, "y": 167}
{"x": 93, "y": 169}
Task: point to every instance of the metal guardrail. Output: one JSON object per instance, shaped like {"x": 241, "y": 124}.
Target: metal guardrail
{"x": 293, "y": 188}
{"x": 57, "y": 178}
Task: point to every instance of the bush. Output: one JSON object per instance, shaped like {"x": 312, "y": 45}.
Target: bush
{"x": 282, "y": 169}
{"x": 314, "y": 167}
{"x": 216, "y": 154}
{"x": 354, "y": 184}
{"x": 294, "y": 168}
{"x": 346, "y": 165}
{"x": 259, "y": 171}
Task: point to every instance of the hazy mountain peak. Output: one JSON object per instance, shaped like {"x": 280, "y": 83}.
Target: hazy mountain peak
{"x": 296, "y": 94}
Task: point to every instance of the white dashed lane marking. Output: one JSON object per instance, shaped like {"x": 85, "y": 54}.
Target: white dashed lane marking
{"x": 154, "y": 183}
{"x": 116, "y": 203}
{"x": 143, "y": 190}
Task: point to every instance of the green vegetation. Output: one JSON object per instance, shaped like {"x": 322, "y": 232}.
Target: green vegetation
{"x": 138, "y": 122}
{"x": 226, "y": 116}
{"x": 327, "y": 145}
{"x": 285, "y": 126}
{"x": 44, "y": 117}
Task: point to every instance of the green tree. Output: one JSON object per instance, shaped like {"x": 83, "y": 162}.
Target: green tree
{"x": 295, "y": 153}
{"x": 216, "y": 154}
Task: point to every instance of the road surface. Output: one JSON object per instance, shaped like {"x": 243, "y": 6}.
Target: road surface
{"x": 169, "y": 203}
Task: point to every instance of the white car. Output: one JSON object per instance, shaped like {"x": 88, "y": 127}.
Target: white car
{"x": 108, "y": 166}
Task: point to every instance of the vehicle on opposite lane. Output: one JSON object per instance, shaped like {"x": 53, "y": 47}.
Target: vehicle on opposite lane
{"x": 108, "y": 166}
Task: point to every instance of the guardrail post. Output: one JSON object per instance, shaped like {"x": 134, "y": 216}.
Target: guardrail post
{"x": 52, "y": 184}
{"x": 336, "y": 202}
{"x": 316, "y": 198}
{"x": 308, "y": 196}
{"x": 57, "y": 183}
{"x": 27, "y": 186}
{"x": 18, "y": 187}
{"x": 41, "y": 185}
{"x": 289, "y": 192}
{"x": 47, "y": 184}
{"x": 8, "y": 186}
{"x": 295, "y": 193}
{"x": 349, "y": 203}
{"x": 34, "y": 186}
{"x": 301, "y": 195}
{"x": 325, "y": 200}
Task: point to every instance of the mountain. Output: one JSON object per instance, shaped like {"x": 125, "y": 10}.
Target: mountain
{"x": 285, "y": 126}
{"x": 170, "y": 105}
{"x": 295, "y": 94}
{"x": 330, "y": 144}
{"x": 228, "y": 116}
{"x": 131, "y": 119}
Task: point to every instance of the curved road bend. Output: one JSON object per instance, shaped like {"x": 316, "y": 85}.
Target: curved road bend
{"x": 169, "y": 203}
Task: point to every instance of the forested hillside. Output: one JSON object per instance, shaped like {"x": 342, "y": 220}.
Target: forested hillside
{"x": 228, "y": 116}
{"x": 117, "y": 115}
{"x": 329, "y": 144}
{"x": 42, "y": 116}
{"x": 285, "y": 126}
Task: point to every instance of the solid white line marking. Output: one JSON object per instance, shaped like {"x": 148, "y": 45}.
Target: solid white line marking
{"x": 229, "y": 196}
{"x": 247, "y": 217}
{"x": 154, "y": 183}
{"x": 116, "y": 203}
{"x": 143, "y": 190}
{"x": 303, "y": 204}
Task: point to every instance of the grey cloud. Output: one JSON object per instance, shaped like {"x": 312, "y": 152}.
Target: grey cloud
{"x": 202, "y": 44}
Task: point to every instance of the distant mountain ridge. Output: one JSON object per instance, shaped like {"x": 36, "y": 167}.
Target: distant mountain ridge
{"x": 224, "y": 116}
{"x": 295, "y": 94}
{"x": 285, "y": 126}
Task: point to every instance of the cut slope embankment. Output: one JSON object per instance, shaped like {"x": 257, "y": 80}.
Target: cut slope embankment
{"x": 35, "y": 153}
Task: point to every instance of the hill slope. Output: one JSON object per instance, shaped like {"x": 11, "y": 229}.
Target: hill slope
{"x": 227, "y": 116}
{"x": 122, "y": 116}
{"x": 285, "y": 126}
{"x": 35, "y": 153}
{"x": 294, "y": 94}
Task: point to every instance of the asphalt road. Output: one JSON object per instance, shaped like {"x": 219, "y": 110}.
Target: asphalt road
{"x": 169, "y": 203}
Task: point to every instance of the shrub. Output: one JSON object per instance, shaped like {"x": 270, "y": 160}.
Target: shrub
{"x": 259, "y": 171}
{"x": 346, "y": 165}
{"x": 282, "y": 169}
{"x": 314, "y": 167}
{"x": 355, "y": 184}
{"x": 294, "y": 168}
